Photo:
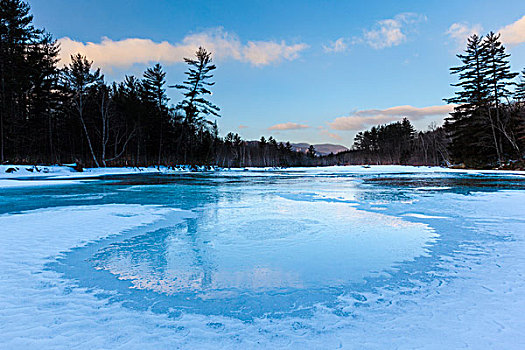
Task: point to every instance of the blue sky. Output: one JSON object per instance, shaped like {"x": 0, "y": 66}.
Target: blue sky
{"x": 304, "y": 71}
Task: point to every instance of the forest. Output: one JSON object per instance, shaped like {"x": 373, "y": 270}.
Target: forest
{"x": 54, "y": 114}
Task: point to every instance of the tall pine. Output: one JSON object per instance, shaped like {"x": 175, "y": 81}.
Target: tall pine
{"x": 499, "y": 78}
{"x": 196, "y": 87}
{"x": 27, "y": 77}
{"x": 154, "y": 93}
{"x": 472, "y": 141}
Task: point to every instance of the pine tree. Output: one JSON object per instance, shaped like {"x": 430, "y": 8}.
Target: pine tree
{"x": 154, "y": 91}
{"x": 471, "y": 140}
{"x": 519, "y": 96}
{"x": 474, "y": 89}
{"x": 407, "y": 133}
{"x": 311, "y": 151}
{"x": 153, "y": 83}
{"x": 196, "y": 87}
{"x": 129, "y": 103}
{"x": 519, "y": 93}
{"x": 44, "y": 96}
{"x": 17, "y": 36}
{"x": 499, "y": 77}
{"x": 79, "y": 80}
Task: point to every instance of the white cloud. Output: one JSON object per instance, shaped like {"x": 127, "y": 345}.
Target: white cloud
{"x": 124, "y": 53}
{"x": 339, "y": 45}
{"x": 391, "y": 32}
{"x": 385, "y": 33}
{"x": 460, "y": 32}
{"x": 261, "y": 53}
{"x": 514, "y": 33}
{"x": 288, "y": 126}
{"x": 363, "y": 119}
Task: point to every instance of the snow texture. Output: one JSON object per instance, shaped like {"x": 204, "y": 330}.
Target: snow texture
{"x": 469, "y": 295}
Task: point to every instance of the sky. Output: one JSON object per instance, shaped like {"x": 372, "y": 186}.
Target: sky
{"x": 303, "y": 71}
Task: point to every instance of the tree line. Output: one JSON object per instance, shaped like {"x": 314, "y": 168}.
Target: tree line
{"x": 65, "y": 114}
{"x": 400, "y": 143}
{"x": 50, "y": 114}
{"x": 487, "y": 127}
{"x": 485, "y": 130}
{"x": 395, "y": 143}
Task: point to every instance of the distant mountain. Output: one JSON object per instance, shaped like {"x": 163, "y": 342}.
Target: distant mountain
{"x": 321, "y": 149}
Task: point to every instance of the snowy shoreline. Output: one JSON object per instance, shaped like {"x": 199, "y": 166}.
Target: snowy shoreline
{"x": 33, "y": 295}
{"x": 61, "y": 172}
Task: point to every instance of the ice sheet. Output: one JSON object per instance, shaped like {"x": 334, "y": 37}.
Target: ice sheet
{"x": 459, "y": 284}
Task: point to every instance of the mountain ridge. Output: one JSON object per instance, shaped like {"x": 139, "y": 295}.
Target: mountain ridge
{"x": 320, "y": 148}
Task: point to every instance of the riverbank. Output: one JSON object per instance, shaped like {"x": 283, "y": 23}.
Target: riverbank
{"x": 37, "y": 175}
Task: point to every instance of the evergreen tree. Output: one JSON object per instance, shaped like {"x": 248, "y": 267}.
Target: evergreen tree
{"x": 196, "y": 87}
{"x": 499, "y": 77}
{"x": 519, "y": 93}
{"x": 311, "y": 151}
{"x": 387, "y": 144}
{"x": 407, "y": 138}
{"x": 474, "y": 87}
{"x": 43, "y": 97}
{"x": 21, "y": 53}
{"x": 79, "y": 81}
{"x": 154, "y": 92}
{"x": 129, "y": 105}
{"x": 471, "y": 140}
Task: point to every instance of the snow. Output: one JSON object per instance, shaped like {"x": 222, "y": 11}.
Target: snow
{"x": 61, "y": 171}
{"x": 423, "y": 216}
{"x": 37, "y": 308}
{"x": 15, "y": 183}
{"x": 31, "y": 176}
{"x": 385, "y": 169}
{"x": 466, "y": 291}
{"x": 56, "y": 172}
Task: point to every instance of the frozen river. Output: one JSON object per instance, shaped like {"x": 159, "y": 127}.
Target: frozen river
{"x": 340, "y": 257}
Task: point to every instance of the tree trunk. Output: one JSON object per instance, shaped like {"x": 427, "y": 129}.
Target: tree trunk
{"x": 80, "y": 113}
{"x": 89, "y": 142}
{"x": 2, "y": 112}
{"x": 160, "y": 145}
{"x": 494, "y": 137}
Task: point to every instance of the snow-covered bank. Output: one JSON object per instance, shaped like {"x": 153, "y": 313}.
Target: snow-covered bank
{"x": 14, "y": 183}
{"x": 31, "y": 176}
{"x": 56, "y": 172}
{"x": 61, "y": 171}
{"x": 38, "y": 309}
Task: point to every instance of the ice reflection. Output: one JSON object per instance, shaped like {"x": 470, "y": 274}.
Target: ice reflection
{"x": 273, "y": 244}
{"x": 265, "y": 243}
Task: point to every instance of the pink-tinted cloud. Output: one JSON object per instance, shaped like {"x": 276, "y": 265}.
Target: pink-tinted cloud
{"x": 514, "y": 33}
{"x": 124, "y": 53}
{"x": 324, "y": 131}
{"x": 288, "y": 126}
{"x": 363, "y": 119}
